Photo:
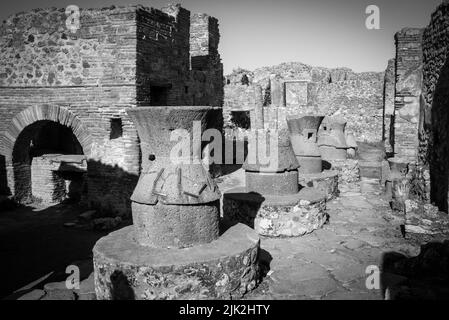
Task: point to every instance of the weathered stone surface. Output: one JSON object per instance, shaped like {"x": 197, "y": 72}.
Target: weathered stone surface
{"x": 272, "y": 183}
{"x": 223, "y": 269}
{"x": 348, "y": 170}
{"x": 52, "y": 75}
{"x": 313, "y": 90}
{"x": 277, "y": 216}
{"x": 326, "y": 182}
{"x": 175, "y": 225}
{"x": 425, "y": 218}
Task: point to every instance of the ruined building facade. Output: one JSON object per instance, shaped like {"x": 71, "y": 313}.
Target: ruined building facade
{"x": 63, "y": 95}
{"x": 419, "y": 126}
{"x": 290, "y": 89}
{"x": 434, "y": 109}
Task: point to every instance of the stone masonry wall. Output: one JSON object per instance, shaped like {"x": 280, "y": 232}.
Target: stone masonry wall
{"x": 91, "y": 73}
{"x": 388, "y": 110}
{"x": 434, "y": 112}
{"x": 92, "y": 76}
{"x": 407, "y": 92}
{"x": 339, "y": 92}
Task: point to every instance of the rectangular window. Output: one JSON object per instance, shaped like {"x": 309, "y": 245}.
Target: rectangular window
{"x": 116, "y": 128}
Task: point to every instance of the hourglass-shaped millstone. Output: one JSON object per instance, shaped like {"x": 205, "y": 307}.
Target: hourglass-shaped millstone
{"x": 175, "y": 202}
{"x": 332, "y": 139}
{"x": 271, "y": 166}
{"x": 303, "y": 136}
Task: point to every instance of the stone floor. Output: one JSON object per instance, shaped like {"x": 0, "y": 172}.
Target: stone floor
{"x": 329, "y": 263}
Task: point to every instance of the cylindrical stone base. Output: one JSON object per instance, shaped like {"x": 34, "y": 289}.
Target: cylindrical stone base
{"x": 277, "y": 216}
{"x": 175, "y": 226}
{"x": 309, "y": 164}
{"x": 326, "y": 182}
{"x": 226, "y": 268}
{"x": 272, "y": 183}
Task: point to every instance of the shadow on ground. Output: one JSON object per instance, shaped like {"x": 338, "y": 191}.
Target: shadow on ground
{"x": 35, "y": 246}
{"x": 424, "y": 277}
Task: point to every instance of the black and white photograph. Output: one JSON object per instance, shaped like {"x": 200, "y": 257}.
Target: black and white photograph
{"x": 224, "y": 155}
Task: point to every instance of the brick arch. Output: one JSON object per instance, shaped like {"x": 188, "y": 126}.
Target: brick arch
{"x": 45, "y": 112}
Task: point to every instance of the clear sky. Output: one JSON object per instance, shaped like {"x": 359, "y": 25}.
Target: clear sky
{"x": 255, "y": 33}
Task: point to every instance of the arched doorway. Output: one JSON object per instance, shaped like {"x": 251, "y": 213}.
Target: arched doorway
{"x": 46, "y": 147}
{"x": 48, "y": 163}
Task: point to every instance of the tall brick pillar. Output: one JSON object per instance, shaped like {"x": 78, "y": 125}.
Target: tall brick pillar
{"x": 408, "y": 88}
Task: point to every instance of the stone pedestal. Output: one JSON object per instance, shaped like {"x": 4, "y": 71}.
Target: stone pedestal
{"x": 173, "y": 250}
{"x": 223, "y": 269}
{"x": 326, "y": 182}
{"x": 277, "y": 216}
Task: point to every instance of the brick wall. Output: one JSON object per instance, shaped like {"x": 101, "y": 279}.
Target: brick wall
{"x": 408, "y": 71}
{"x": 434, "y": 113}
{"x": 121, "y": 57}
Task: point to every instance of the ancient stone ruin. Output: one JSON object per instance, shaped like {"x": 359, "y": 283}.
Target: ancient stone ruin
{"x": 124, "y": 149}
{"x": 175, "y": 228}
{"x": 271, "y": 200}
{"x": 67, "y": 93}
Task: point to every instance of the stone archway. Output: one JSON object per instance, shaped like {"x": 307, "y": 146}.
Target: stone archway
{"x": 17, "y": 142}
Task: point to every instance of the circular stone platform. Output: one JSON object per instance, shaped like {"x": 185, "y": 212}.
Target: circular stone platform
{"x": 223, "y": 269}
{"x": 326, "y": 182}
{"x": 277, "y": 216}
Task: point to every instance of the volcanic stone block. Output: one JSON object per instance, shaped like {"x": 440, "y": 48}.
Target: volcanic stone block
{"x": 277, "y": 216}
{"x": 332, "y": 139}
{"x": 272, "y": 183}
{"x": 223, "y": 269}
{"x": 175, "y": 225}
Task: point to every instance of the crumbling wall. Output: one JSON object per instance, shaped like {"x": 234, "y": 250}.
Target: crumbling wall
{"x": 434, "y": 112}
{"x": 206, "y": 79}
{"x": 304, "y": 89}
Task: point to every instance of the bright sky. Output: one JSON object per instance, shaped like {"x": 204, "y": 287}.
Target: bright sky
{"x": 256, "y": 33}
